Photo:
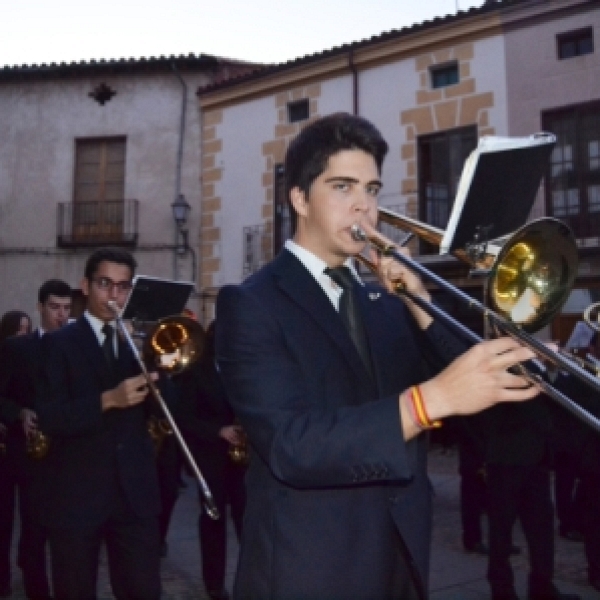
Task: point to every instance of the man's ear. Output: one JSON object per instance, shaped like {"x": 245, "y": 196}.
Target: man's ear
{"x": 299, "y": 201}
{"x": 85, "y": 286}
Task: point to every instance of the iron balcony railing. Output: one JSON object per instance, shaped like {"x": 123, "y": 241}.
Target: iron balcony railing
{"x": 97, "y": 223}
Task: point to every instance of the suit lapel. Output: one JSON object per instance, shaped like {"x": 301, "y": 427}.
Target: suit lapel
{"x": 300, "y": 286}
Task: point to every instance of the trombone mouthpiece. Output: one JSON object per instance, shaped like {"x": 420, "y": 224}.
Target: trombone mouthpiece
{"x": 358, "y": 234}
{"x": 113, "y": 306}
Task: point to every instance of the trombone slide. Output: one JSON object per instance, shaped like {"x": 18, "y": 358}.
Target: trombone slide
{"x": 211, "y": 507}
{"x": 506, "y": 327}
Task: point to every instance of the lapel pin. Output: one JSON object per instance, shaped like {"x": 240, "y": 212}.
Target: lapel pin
{"x": 374, "y": 295}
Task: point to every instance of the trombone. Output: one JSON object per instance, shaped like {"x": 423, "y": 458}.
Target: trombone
{"x": 175, "y": 342}
{"x": 529, "y": 278}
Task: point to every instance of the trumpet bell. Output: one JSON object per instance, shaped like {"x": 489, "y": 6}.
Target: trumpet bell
{"x": 174, "y": 344}
{"x": 533, "y": 274}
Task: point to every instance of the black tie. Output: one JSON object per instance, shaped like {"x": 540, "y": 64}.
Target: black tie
{"x": 108, "y": 347}
{"x": 350, "y": 312}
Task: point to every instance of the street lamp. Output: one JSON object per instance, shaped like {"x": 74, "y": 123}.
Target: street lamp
{"x": 181, "y": 210}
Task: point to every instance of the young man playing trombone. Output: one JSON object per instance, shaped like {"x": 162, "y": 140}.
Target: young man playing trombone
{"x": 326, "y": 376}
{"x": 101, "y": 481}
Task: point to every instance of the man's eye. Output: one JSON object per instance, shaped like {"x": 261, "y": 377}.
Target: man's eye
{"x": 373, "y": 191}
{"x": 341, "y": 186}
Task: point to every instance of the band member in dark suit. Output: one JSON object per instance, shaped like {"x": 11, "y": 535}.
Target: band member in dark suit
{"x": 334, "y": 402}
{"x": 100, "y": 475}
{"x": 518, "y": 477}
{"x": 21, "y": 359}
{"x": 207, "y": 422}
{"x": 13, "y": 323}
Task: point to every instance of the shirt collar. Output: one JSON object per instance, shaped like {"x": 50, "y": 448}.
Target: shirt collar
{"x": 314, "y": 264}
{"x": 97, "y": 325}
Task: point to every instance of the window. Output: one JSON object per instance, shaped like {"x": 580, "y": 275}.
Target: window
{"x": 441, "y": 159}
{"x": 573, "y": 177}
{"x": 282, "y": 228}
{"x": 298, "y": 111}
{"x": 575, "y": 43}
{"x": 444, "y": 76}
{"x": 99, "y": 188}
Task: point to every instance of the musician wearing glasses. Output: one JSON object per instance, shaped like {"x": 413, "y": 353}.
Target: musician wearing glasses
{"x": 100, "y": 476}
{"x": 326, "y": 375}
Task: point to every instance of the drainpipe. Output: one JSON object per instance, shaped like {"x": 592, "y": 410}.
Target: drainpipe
{"x": 179, "y": 161}
{"x": 354, "y": 72}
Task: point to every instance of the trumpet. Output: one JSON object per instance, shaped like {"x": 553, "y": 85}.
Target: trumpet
{"x": 530, "y": 277}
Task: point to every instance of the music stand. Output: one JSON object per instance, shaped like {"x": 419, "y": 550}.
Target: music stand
{"x": 153, "y": 299}
{"x": 497, "y": 189}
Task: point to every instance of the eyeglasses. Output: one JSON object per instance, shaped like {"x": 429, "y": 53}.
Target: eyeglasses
{"x": 105, "y": 283}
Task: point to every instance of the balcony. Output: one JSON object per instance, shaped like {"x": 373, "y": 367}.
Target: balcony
{"x": 100, "y": 223}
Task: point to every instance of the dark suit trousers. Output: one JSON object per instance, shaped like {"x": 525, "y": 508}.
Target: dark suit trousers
{"x": 32, "y": 541}
{"x": 7, "y": 514}
{"x": 132, "y": 546}
{"x": 523, "y": 492}
{"x": 168, "y": 464}
{"x": 590, "y": 483}
{"x": 566, "y": 491}
{"x": 226, "y": 483}
{"x": 473, "y": 494}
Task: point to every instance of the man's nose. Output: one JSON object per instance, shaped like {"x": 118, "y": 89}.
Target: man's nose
{"x": 362, "y": 201}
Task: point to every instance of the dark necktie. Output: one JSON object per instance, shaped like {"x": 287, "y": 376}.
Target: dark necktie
{"x": 350, "y": 312}
{"x": 108, "y": 347}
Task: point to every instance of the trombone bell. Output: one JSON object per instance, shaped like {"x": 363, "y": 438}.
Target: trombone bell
{"x": 530, "y": 275}
{"x": 174, "y": 344}
{"x": 533, "y": 274}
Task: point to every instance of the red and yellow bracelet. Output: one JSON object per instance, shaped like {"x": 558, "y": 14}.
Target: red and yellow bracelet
{"x": 419, "y": 413}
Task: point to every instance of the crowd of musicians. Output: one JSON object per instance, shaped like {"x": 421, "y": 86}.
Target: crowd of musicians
{"x": 92, "y": 461}
{"x": 336, "y": 383}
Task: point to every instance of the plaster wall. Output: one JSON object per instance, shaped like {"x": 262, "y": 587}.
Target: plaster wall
{"x": 253, "y": 137}
{"x": 41, "y": 122}
{"x": 542, "y": 82}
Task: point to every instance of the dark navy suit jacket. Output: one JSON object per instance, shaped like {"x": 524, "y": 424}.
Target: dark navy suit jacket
{"x": 332, "y": 482}
{"x": 95, "y": 458}
{"x": 20, "y": 357}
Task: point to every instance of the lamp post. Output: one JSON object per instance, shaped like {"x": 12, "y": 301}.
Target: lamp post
{"x": 181, "y": 210}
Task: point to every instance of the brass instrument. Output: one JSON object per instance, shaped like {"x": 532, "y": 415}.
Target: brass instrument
{"x": 158, "y": 429}
{"x": 591, "y": 316}
{"x": 175, "y": 343}
{"x": 239, "y": 453}
{"x": 588, "y": 365}
{"x": 37, "y": 445}
{"x": 530, "y": 276}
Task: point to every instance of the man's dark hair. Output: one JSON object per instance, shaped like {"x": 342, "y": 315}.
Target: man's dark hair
{"x": 114, "y": 255}
{"x": 311, "y": 149}
{"x": 53, "y": 287}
